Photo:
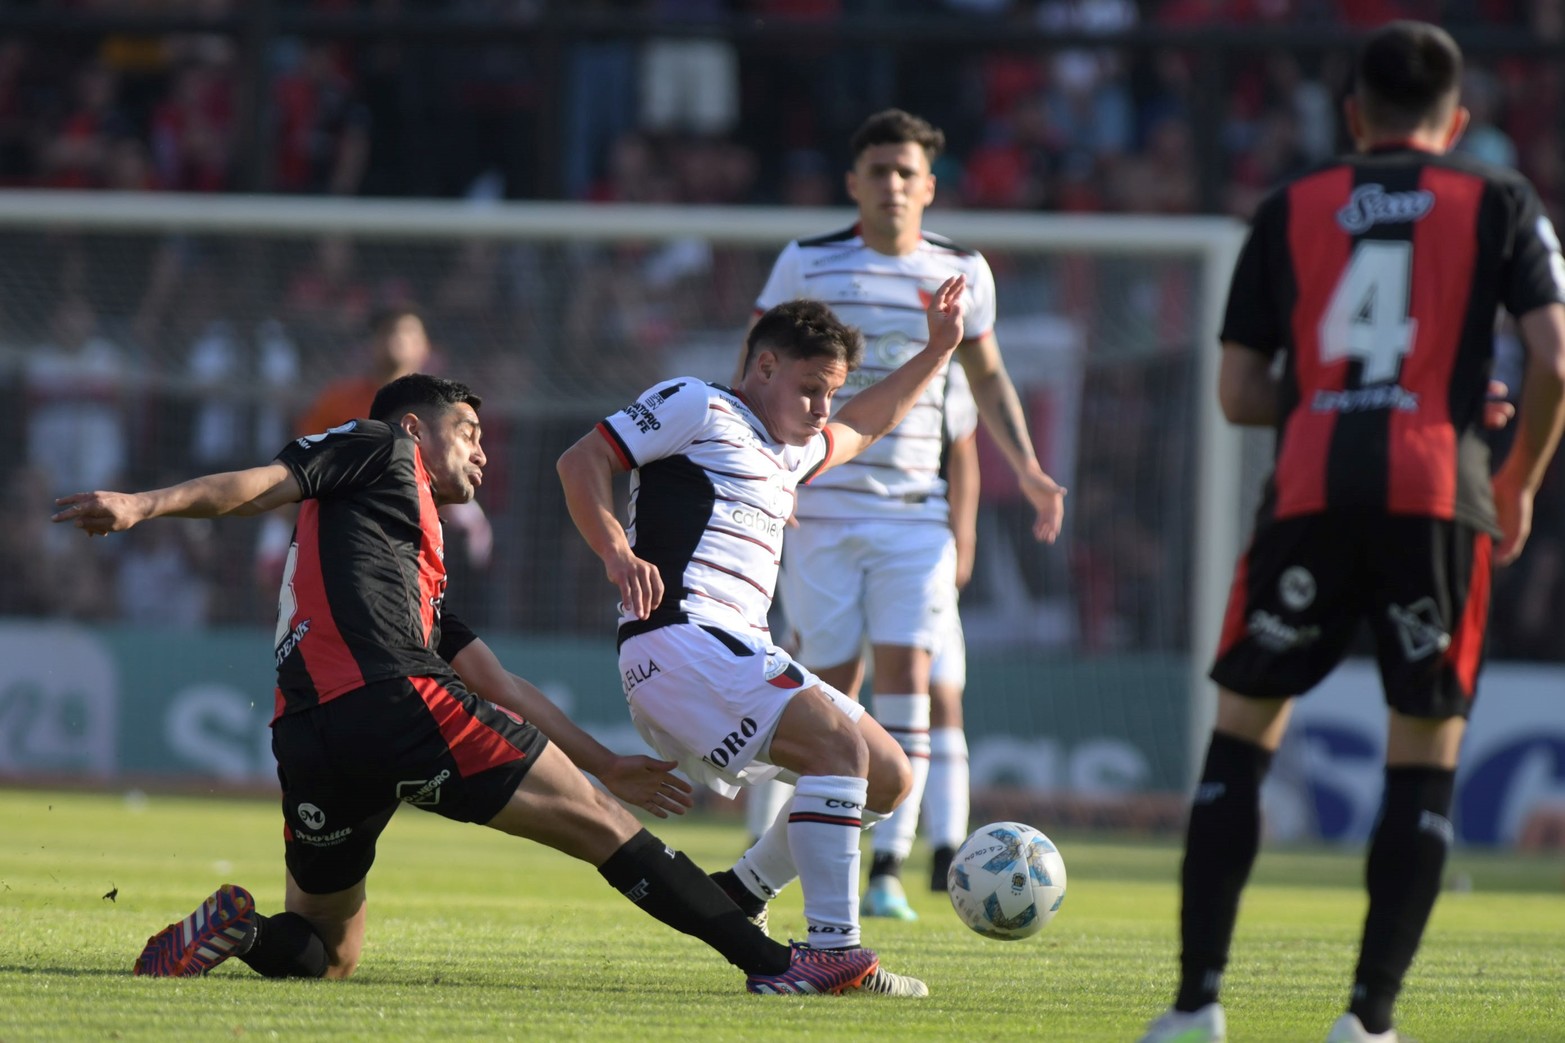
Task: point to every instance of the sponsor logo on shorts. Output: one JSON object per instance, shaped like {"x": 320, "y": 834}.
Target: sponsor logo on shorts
{"x": 1296, "y": 587}
{"x": 732, "y": 743}
{"x": 1419, "y": 630}
{"x": 1272, "y": 634}
{"x": 311, "y": 815}
{"x": 321, "y": 839}
{"x": 639, "y": 673}
{"x": 423, "y": 793}
{"x": 640, "y": 891}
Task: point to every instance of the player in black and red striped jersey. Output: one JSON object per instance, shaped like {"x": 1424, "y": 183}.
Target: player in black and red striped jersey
{"x": 371, "y": 715}
{"x": 1376, "y": 279}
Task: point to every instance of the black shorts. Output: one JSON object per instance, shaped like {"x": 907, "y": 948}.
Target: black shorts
{"x": 1304, "y": 584}
{"x": 346, "y": 765}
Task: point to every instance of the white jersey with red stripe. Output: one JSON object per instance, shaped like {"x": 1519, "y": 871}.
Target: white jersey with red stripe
{"x": 710, "y": 496}
{"x": 885, "y": 297}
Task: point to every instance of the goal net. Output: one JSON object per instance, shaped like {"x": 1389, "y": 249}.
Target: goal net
{"x": 155, "y": 337}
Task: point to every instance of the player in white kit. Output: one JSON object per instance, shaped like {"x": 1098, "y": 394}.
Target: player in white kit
{"x": 872, "y": 555}
{"x": 714, "y": 478}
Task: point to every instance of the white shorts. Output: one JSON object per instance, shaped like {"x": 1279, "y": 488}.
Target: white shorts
{"x": 892, "y": 581}
{"x": 949, "y": 664}
{"x": 711, "y": 699}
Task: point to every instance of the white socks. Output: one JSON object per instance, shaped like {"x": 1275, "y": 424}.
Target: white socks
{"x": 946, "y": 796}
{"x": 906, "y": 718}
{"x": 824, "y": 820}
{"x": 762, "y": 802}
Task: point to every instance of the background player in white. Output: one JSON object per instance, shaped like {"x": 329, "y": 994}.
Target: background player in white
{"x": 947, "y": 793}
{"x": 873, "y": 554}
{"x": 715, "y": 473}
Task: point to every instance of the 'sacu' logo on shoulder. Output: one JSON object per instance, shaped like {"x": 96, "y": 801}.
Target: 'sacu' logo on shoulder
{"x": 1372, "y": 205}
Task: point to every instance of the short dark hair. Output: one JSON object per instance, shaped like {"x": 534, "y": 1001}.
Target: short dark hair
{"x": 802, "y": 329}
{"x": 418, "y": 391}
{"x": 1408, "y": 74}
{"x": 896, "y": 127}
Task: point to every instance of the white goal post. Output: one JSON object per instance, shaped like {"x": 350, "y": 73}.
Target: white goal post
{"x": 1211, "y": 243}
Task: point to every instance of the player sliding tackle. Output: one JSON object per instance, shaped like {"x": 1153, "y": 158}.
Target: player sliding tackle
{"x": 376, "y": 688}
{"x": 714, "y": 474}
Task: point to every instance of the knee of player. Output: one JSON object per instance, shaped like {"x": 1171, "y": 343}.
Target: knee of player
{"x": 892, "y": 775}
{"x": 890, "y": 781}
{"x": 842, "y": 751}
{"x": 342, "y": 964}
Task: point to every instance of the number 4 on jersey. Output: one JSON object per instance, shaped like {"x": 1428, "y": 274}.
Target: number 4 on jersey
{"x": 1367, "y": 317}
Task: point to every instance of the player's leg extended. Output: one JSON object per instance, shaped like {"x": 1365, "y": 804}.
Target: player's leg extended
{"x": 557, "y": 806}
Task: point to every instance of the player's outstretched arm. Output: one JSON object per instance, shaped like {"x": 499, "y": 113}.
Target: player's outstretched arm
{"x": 1000, "y": 408}
{"x": 587, "y": 472}
{"x": 1539, "y": 422}
{"x": 881, "y": 406}
{"x": 246, "y": 492}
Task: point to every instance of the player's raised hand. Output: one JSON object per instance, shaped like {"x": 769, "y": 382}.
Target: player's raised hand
{"x": 1047, "y": 498}
{"x": 945, "y": 314}
{"x": 648, "y": 784}
{"x": 640, "y": 585}
{"x": 99, "y": 513}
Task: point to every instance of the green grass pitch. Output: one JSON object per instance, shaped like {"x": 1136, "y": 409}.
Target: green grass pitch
{"x": 477, "y": 936}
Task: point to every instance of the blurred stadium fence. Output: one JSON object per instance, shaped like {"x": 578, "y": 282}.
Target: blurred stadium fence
{"x": 182, "y": 334}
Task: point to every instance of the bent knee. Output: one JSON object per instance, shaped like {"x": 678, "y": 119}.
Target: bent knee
{"x": 890, "y": 782}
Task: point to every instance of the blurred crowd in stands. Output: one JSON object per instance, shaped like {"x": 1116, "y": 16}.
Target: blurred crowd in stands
{"x": 120, "y": 346}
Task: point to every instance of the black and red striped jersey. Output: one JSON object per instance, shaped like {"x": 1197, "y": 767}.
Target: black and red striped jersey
{"x": 1379, "y": 276}
{"x": 365, "y": 576}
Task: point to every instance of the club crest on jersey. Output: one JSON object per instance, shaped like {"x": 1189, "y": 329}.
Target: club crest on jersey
{"x": 1372, "y": 205}
{"x": 894, "y": 348}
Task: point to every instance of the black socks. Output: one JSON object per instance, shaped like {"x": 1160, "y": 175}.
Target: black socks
{"x": 1222, "y": 838}
{"x": 285, "y": 946}
{"x": 1403, "y": 874}
{"x": 668, "y": 886}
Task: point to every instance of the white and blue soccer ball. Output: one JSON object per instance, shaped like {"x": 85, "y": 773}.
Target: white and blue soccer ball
{"x": 1007, "y": 881}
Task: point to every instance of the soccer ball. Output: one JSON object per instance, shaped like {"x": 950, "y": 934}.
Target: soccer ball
{"x": 1006, "y": 881}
